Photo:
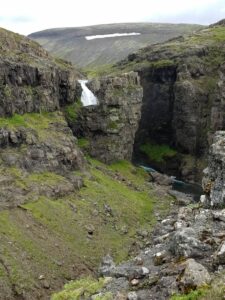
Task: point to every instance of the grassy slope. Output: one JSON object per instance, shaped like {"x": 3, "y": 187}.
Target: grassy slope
{"x": 212, "y": 38}
{"x": 45, "y": 242}
{"x": 70, "y": 43}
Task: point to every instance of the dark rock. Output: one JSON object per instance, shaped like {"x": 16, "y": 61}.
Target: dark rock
{"x": 110, "y": 127}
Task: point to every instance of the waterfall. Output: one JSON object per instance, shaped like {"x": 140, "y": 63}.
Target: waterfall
{"x": 87, "y": 97}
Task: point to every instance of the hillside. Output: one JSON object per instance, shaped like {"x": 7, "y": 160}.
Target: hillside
{"x": 70, "y": 43}
{"x": 61, "y": 212}
{"x": 75, "y": 211}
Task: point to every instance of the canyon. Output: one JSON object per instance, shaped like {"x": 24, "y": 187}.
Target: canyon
{"x": 73, "y": 196}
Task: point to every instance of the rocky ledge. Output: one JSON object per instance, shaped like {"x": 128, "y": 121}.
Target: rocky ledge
{"x": 30, "y": 79}
{"x": 109, "y": 128}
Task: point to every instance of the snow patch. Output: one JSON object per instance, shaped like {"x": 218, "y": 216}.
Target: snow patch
{"x": 103, "y": 36}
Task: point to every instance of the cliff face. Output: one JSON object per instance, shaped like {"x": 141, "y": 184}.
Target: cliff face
{"x": 183, "y": 86}
{"x": 30, "y": 79}
{"x": 110, "y": 127}
{"x": 214, "y": 175}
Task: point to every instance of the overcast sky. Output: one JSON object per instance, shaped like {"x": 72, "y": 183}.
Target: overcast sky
{"x": 26, "y": 16}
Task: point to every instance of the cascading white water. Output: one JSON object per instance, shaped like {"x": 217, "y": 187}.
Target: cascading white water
{"x": 87, "y": 97}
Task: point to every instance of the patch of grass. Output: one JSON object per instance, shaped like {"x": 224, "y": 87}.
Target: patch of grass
{"x": 47, "y": 178}
{"x": 215, "y": 291}
{"x": 84, "y": 288}
{"x": 158, "y": 153}
{"x": 71, "y": 111}
{"x": 41, "y": 233}
{"x": 30, "y": 120}
{"x": 136, "y": 175}
{"x": 112, "y": 125}
{"x": 98, "y": 71}
{"x": 83, "y": 143}
{"x": 162, "y": 63}
{"x": 193, "y": 295}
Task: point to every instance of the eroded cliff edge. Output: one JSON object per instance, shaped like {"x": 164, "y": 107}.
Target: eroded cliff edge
{"x": 183, "y": 102}
{"x": 108, "y": 129}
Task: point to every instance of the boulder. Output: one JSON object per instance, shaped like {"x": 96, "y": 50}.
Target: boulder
{"x": 194, "y": 276}
{"x": 185, "y": 243}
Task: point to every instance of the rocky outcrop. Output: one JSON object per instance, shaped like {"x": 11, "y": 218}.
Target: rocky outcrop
{"x": 186, "y": 252}
{"x": 42, "y": 146}
{"x": 214, "y": 175}
{"x": 30, "y": 79}
{"x": 110, "y": 127}
{"x": 183, "y": 102}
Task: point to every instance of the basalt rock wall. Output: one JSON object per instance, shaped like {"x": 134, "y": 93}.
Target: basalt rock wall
{"x": 110, "y": 127}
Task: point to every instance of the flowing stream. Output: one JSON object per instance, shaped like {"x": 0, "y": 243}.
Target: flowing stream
{"x": 87, "y": 97}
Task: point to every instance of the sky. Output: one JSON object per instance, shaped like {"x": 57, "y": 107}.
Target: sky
{"x": 27, "y": 16}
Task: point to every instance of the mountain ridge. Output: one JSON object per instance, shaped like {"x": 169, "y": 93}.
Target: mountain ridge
{"x": 70, "y": 43}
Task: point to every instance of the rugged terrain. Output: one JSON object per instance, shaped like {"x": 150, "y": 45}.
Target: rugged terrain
{"x": 61, "y": 212}
{"x": 70, "y": 43}
{"x": 183, "y": 100}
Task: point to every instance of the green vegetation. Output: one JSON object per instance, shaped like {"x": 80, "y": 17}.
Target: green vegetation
{"x": 71, "y": 111}
{"x": 215, "y": 291}
{"x": 32, "y": 231}
{"x": 31, "y": 120}
{"x": 157, "y": 153}
{"x": 97, "y": 71}
{"x": 84, "y": 288}
{"x": 112, "y": 125}
{"x": 193, "y": 295}
{"x": 83, "y": 143}
{"x": 38, "y": 124}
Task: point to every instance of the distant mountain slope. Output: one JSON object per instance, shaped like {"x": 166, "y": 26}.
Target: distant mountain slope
{"x": 71, "y": 44}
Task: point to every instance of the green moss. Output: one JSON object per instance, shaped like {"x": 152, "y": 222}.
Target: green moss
{"x": 30, "y": 120}
{"x": 46, "y": 178}
{"x": 84, "y": 288}
{"x": 135, "y": 174}
{"x": 41, "y": 125}
{"x": 96, "y": 71}
{"x": 7, "y": 91}
{"x": 112, "y": 125}
{"x": 162, "y": 63}
{"x": 157, "y": 153}
{"x": 106, "y": 296}
{"x": 41, "y": 233}
{"x": 62, "y": 63}
{"x": 193, "y": 295}
{"x": 13, "y": 239}
{"x": 71, "y": 111}
{"x": 83, "y": 143}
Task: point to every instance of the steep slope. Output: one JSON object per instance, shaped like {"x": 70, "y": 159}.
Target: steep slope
{"x": 60, "y": 212}
{"x": 70, "y": 43}
{"x": 183, "y": 103}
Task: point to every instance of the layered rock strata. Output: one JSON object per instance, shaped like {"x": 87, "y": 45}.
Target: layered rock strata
{"x": 110, "y": 127}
